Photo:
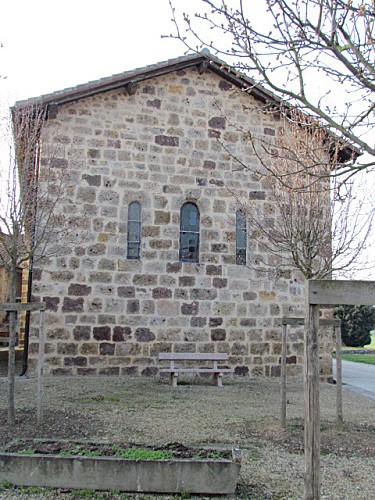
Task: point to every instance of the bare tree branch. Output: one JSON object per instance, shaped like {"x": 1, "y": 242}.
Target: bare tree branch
{"x": 28, "y": 219}
{"x": 289, "y": 47}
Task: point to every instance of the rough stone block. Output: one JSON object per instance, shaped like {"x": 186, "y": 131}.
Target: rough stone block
{"x": 145, "y": 279}
{"x": 218, "y": 334}
{"x": 165, "y": 140}
{"x": 220, "y": 282}
{"x": 217, "y": 122}
{"x": 82, "y": 332}
{"x": 132, "y": 306}
{"x": 174, "y": 267}
{"x": 126, "y": 291}
{"x": 89, "y": 349}
{"x": 212, "y": 270}
{"x": 107, "y": 349}
{"x": 197, "y": 322}
{"x": 162, "y": 217}
{"x": 191, "y": 309}
{"x": 75, "y": 361}
{"x": 257, "y": 195}
{"x": 72, "y": 305}
{"x": 144, "y": 335}
{"x": 102, "y": 333}
{"x": 215, "y": 321}
{"x": 67, "y": 349}
{"x": 241, "y": 371}
{"x": 52, "y": 303}
{"x": 92, "y": 180}
{"x": 78, "y": 289}
{"x": 161, "y": 293}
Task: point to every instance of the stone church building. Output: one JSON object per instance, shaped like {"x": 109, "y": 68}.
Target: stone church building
{"x": 160, "y": 257}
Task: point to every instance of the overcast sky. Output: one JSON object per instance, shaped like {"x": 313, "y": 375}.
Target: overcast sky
{"x": 50, "y": 44}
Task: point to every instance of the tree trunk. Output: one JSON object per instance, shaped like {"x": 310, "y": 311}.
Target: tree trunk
{"x": 12, "y": 347}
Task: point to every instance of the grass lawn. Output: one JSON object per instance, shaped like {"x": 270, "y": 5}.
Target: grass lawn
{"x": 360, "y": 358}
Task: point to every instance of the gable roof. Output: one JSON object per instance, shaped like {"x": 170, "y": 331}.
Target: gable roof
{"x": 204, "y": 61}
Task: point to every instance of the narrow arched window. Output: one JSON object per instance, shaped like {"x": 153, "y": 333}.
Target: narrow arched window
{"x": 241, "y": 238}
{"x": 134, "y": 230}
{"x": 189, "y": 233}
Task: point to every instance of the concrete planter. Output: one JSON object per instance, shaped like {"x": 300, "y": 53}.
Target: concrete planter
{"x": 201, "y": 476}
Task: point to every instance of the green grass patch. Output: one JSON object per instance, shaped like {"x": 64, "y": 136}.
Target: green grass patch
{"x": 144, "y": 454}
{"x": 28, "y": 451}
{"x": 114, "y": 398}
{"x": 5, "y": 485}
{"x": 359, "y": 358}
{"x": 31, "y": 490}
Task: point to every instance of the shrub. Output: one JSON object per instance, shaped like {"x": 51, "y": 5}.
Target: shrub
{"x": 356, "y": 324}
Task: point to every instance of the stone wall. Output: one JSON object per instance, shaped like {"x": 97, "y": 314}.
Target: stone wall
{"x": 160, "y": 147}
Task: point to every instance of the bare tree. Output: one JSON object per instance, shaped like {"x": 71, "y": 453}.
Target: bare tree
{"x": 310, "y": 221}
{"x": 314, "y": 224}
{"x": 317, "y": 55}
{"x": 28, "y": 220}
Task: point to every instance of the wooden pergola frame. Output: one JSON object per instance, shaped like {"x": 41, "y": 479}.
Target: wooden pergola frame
{"x": 41, "y": 307}
{"x": 336, "y": 324}
{"x": 322, "y": 292}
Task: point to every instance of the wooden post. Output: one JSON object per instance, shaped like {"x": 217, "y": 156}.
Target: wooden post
{"x": 339, "y": 415}
{"x": 322, "y": 292}
{"x": 312, "y": 409}
{"x": 41, "y": 307}
{"x": 41, "y": 368}
{"x": 283, "y": 377}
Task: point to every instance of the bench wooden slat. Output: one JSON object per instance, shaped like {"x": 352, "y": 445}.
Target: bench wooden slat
{"x": 197, "y": 370}
{"x": 188, "y": 356}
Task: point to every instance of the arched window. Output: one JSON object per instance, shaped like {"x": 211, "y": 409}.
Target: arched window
{"x": 241, "y": 238}
{"x": 189, "y": 233}
{"x": 134, "y": 230}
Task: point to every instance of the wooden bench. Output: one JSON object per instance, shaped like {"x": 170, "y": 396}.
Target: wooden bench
{"x": 4, "y": 335}
{"x": 188, "y": 358}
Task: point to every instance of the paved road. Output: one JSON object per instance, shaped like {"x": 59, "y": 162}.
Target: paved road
{"x": 358, "y": 377}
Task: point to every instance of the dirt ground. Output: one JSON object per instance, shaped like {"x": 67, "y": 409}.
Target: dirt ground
{"x": 244, "y": 412}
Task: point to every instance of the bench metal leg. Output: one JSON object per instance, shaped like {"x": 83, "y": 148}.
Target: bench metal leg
{"x": 173, "y": 379}
{"x": 219, "y": 379}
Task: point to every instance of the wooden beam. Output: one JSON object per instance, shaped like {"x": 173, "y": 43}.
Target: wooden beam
{"x": 42, "y": 340}
{"x": 293, "y": 321}
{"x": 301, "y": 322}
{"x": 330, "y": 322}
{"x": 283, "y": 377}
{"x": 331, "y": 292}
{"x": 312, "y": 408}
{"x": 339, "y": 416}
{"x": 19, "y": 306}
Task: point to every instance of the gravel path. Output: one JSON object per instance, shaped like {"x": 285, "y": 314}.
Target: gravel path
{"x": 244, "y": 412}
